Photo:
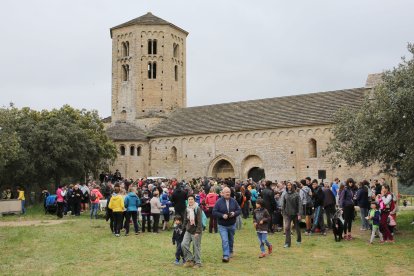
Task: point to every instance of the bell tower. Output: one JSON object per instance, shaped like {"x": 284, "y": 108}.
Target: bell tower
{"x": 148, "y": 70}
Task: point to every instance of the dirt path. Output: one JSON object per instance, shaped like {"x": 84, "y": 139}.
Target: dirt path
{"x": 29, "y": 223}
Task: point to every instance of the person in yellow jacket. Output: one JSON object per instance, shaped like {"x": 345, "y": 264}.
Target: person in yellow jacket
{"x": 22, "y": 199}
{"x": 116, "y": 204}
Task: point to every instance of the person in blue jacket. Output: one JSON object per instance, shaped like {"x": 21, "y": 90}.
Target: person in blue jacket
{"x": 165, "y": 201}
{"x": 226, "y": 210}
{"x": 131, "y": 203}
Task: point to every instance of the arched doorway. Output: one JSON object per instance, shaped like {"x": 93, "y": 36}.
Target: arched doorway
{"x": 252, "y": 167}
{"x": 223, "y": 169}
{"x": 256, "y": 174}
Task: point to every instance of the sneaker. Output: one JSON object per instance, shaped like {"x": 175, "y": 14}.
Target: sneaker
{"x": 188, "y": 264}
{"x": 306, "y": 233}
{"x": 136, "y": 233}
{"x": 286, "y": 245}
{"x": 117, "y": 235}
{"x": 381, "y": 242}
{"x": 298, "y": 243}
{"x": 270, "y": 249}
{"x": 126, "y": 234}
{"x": 177, "y": 262}
{"x": 196, "y": 266}
{"x": 225, "y": 260}
{"x": 324, "y": 233}
{"x": 262, "y": 255}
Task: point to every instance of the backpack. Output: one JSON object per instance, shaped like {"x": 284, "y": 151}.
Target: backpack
{"x": 203, "y": 217}
{"x": 308, "y": 198}
{"x": 93, "y": 197}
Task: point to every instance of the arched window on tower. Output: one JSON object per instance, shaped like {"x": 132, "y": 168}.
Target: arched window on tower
{"x": 176, "y": 72}
{"x": 313, "y": 150}
{"x": 132, "y": 150}
{"x": 176, "y": 50}
{"x": 122, "y": 150}
{"x": 125, "y": 49}
{"x": 139, "y": 151}
{"x": 125, "y": 72}
{"x": 152, "y": 70}
{"x": 152, "y": 47}
{"x": 174, "y": 154}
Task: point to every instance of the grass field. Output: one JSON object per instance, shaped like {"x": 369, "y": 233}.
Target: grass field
{"x": 81, "y": 246}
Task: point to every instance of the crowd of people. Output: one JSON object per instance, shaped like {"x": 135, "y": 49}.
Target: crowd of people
{"x": 273, "y": 206}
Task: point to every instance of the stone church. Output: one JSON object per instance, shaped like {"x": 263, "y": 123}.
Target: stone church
{"x": 158, "y": 135}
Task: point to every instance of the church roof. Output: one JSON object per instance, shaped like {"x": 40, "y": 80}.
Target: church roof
{"x": 122, "y": 131}
{"x": 290, "y": 111}
{"x": 147, "y": 19}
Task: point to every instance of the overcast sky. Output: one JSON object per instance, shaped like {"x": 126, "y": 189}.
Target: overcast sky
{"x": 55, "y": 52}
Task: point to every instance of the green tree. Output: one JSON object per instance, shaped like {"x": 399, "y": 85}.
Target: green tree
{"x": 10, "y": 148}
{"x": 381, "y": 131}
{"x": 57, "y": 144}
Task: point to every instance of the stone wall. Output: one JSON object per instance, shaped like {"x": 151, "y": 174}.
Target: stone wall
{"x": 282, "y": 153}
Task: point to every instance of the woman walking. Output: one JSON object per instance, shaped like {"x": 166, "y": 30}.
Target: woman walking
{"x": 194, "y": 228}
{"x": 347, "y": 205}
{"x": 292, "y": 212}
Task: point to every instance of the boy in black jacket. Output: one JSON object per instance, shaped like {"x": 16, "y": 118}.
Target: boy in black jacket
{"x": 177, "y": 238}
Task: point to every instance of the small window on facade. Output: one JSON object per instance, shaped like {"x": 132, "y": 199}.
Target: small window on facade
{"x": 139, "y": 151}
{"x": 313, "y": 150}
{"x": 125, "y": 72}
{"x": 176, "y": 72}
{"x": 125, "y": 49}
{"x": 174, "y": 154}
{"x": 152, "y": 47}
{"x": 122, "y": 150}
{"x": 132, "y": 150}
{"x": 152, "y": 70}
{"x": 176, "y": 49}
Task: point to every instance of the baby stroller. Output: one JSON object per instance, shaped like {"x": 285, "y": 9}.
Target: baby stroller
{"x": 51, "y": 204}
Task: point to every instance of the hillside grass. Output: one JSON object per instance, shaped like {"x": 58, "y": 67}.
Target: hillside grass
{"x": 81, "y": 246}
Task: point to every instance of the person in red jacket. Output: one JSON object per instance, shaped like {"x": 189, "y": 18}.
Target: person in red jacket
{"x": 211, "y": 200}
{"x": 95, "y": 196}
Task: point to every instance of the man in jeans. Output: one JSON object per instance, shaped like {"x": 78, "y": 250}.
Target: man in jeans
{"x": 226, "y": 210}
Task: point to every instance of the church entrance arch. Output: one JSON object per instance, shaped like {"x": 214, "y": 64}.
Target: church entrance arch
{"x": 221, "y": 167}
{"x": 252, "y": 166}
{"x": 256, "y": 174}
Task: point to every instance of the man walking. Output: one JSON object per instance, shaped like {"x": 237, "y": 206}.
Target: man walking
{"x": 226, "y": 210}
{"x": 268, "y": 196}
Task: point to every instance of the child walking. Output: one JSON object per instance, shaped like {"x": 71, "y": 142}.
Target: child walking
{"x": 375, "y": 216}
{"x": 261, "y": 218}
{"x": 177, "y": 238}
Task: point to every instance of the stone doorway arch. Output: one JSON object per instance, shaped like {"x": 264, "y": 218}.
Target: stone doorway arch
{"x": 222, "y": 167}
{"x": 256, "y": 174}
{"x": 252, "y": 165}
